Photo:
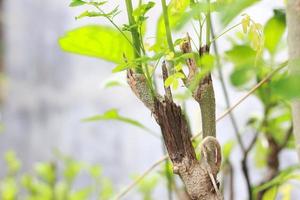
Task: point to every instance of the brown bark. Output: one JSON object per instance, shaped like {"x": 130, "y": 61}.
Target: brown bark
{"x": 199, "y": 177}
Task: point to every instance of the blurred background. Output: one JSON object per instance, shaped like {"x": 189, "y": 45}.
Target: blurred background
{"x": 45, "y": 93}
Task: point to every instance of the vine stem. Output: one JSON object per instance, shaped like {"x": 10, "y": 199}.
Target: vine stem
{"x": 167, "y": 25}
{"x": 222, "y": 116}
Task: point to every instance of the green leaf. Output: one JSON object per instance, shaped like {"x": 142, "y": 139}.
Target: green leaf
{"x": 290, "y": 173}
{"x": 97, "y": 3}
{"x": 8, "y": 189}
{"x": 114, "y": 115}
{"x": 287, "y": 87}
{"x": 194, "y": 12}
{"x": 241, "y": 54}
{"x": 115, "y": 80}
{"x": 61, "y": 190}
{"x": 243, "y": 58}
{"x": 12, "y": 162}
{"x": 273, "y": 32}
{"x": 90, "y": 14}
{"x": 75, "y": 3}
{"x": 270, "y": 194}
{"x": 95, "y": 171}
{"x": 134, "y": 62}
{"x": 97, "y": 41}
{"x": 261, "y": 152}
{"x": 227, "y": 149}
{"x": 241, "y": 76}
{"x": 71, "y": 170}
{"x": 174, "y": 80}
{"x": 207, "y": 61}
{"x": 233, "y": 8}
{"x": 246, "y": 23}
{"x": 81, "y": 194}
{"x": 46, "y": 171}
{"x": 107, "y": 189}
{"x": 141, "y": 11}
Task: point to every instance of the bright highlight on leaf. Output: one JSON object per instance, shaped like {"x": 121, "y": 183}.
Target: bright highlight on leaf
{"x": 109, "y": 15}
{"x": 170, "y": 56}
{"x": 233, "y": 8}
{"x": 97, "y": 41}
{"x": 272, "y": 38}
{"x": 246, "y": 23}
{"x": 75, "y": 3}
{"x": 174, "y": 80}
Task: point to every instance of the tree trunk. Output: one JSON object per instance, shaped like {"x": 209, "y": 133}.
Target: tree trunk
{"x": 293, "y": 24}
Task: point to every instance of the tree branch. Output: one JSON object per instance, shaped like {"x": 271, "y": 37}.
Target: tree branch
{"x": 222, "y": 116}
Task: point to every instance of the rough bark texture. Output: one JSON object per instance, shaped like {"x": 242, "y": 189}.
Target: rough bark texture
{"x": 199, "y": 177}
{"x": 293, "y": 24}
{"x": 138, "y": 85}
{"x": 205, "y": 96}
{"x": 203, "y": 93}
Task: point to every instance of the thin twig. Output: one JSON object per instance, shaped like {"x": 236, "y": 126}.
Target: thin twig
{"x": 225, "y": 91}
{"x": 222, "y": 116}
{"x": 258, "y": 85}
{"x": 245, "y": 165}
{"x": 139, "y": 179}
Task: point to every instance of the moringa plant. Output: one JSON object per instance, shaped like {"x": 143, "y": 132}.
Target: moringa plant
{"x": 183, "y": 69}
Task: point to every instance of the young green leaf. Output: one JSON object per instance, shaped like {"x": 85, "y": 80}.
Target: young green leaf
{"x": 9, "y": 189}
{"x": 174, "y": 80}
{"x": 285, "y": 175}
{"x": 261, "y": 153}
{"x": 227, "y": 149}
{"x": 141, "y": 11}
{"x": 83, "y": 193}
{"x": 234, "y": 8}
{"x": 89, "y": 14}
{"x": 243, "y": 58}
{"x": 75, "y": 3}
{"x": 270, "y": 194}
{"x": 272, "y": 38}
{"x": 12, "y": 162}
{"x": 107, "y": 189}
{"x": 71, "y": 170}
{"x": 47, "y": 171}
{"x": 113, "y": 114}
{"x": 287, "y": 87}
{"x": 97, "y": 41}
{"x": 246, "y": 23}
